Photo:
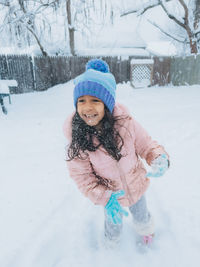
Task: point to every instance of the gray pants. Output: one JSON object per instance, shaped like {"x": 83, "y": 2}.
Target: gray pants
{"x": 142, "y": 221}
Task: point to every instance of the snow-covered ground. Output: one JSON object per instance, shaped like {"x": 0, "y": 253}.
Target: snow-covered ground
{"x": 44, "y": 219}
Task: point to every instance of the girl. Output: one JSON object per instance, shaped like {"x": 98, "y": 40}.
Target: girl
{"x": 105, "y": 151}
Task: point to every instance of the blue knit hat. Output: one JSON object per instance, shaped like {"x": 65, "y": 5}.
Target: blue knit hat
{"x": 96, "y": 81}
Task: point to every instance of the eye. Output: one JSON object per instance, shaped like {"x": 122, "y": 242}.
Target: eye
{"x": 96, "y": 100}
{"x": 81, "y": 100}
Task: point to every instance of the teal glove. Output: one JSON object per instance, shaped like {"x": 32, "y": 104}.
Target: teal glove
{"x": 113, "y": 208}
{"x": 159, "y": 166}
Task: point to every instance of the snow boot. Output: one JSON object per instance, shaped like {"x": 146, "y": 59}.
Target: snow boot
{"x": 148, "y": 239}
{"x": 4, "y": 110}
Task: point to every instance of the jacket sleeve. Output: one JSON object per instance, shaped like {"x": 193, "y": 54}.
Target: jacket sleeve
{"x": 146, "y": 147}
{"x": 81, "y": 172}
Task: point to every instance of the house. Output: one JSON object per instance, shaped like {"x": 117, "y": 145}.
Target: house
{"x": 120, "y": 39}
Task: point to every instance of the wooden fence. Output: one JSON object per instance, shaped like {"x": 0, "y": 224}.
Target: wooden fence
{"x": 185, "y": 71}
{"x": 40, "y": 73}
{"x": 19, "y": 68}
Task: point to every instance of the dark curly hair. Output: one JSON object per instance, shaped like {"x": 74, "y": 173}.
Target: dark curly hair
{"x": 107, "y": 135}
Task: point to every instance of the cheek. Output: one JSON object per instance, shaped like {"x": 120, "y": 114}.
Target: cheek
{"x": 78, "y": 109}
{"x": 102, "y": 114}
{"x": 102, "y": 111}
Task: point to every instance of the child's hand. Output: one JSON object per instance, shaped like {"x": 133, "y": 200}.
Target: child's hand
{"x": 114, "y": 210}
{"x": 159, "y": 166}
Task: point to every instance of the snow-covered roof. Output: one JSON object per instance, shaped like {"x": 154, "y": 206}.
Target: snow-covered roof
{"x": 142, "y": 61}
{"x": 15, "y": 50}
{"x": 122, "y": 34}
{"x": 161, "y": 48}
{"x": 114, "y": 51}
{"x": 120, "y": 39}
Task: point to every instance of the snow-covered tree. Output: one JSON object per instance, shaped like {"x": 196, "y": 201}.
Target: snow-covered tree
{"x": 83, "y": 16}
{"x": 50, "y": 23}
{"x": 25, "y": 20}
{"x": 185, "y": 14}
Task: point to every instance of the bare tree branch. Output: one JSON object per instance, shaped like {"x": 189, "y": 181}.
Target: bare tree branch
{"x": 135, "y": 10}
{"x": 186, "y": 11}
{"x": 142, "y": 10}
{"x": 196, "y": 33}
{"x": 38, "y": 42}
{"x": 171, "y": 16}
{"x": 169, "y": 35}
{"x": 5, "y": 4}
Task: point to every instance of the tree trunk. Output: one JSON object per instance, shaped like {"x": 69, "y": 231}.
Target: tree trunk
{"x": 31, "y": 29}
{"x": 193, "y": 46}
{"x": 70, "y": 28}
{"x": 196, "y": 14}
{"x": 186, "y": 26}
{"x": 197, "y": 21}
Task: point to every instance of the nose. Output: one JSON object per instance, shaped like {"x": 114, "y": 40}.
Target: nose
{"x": 88, "y": 106}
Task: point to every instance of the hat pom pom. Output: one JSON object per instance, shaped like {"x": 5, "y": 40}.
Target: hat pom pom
{"x": 98, "y": 64}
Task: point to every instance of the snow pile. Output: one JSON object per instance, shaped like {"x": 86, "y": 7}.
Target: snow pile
{"x": 46, "y": 222}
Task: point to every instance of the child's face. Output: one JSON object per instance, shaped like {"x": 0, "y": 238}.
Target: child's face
{"x": 90, "y": 109}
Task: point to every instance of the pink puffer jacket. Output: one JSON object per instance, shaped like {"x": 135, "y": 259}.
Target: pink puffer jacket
{"x": 128, "y": 174}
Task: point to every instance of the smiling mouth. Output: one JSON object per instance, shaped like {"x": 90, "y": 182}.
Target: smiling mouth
{"x": 89, "y": 116}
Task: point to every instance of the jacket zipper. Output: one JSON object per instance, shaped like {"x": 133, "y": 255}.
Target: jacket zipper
{"x": 124, "y": 183}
